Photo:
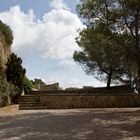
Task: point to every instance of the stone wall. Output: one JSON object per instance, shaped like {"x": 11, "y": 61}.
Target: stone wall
{"x": 91, "y": 98}
{"x": 51, "y": 87}
{"x": 82, "y": 91}
{"x": 62, "y": 101}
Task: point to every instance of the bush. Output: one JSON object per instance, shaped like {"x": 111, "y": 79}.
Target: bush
{"x": 7, "y": 32}
{"x": 27, "y": 85}
{"x": 7, "y": 91}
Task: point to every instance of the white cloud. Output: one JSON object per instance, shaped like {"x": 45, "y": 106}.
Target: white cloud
{"x": 78, "y": 1}
{"x": 67, "y": 82}
{"x": 66, "y": 64}
{"x": 52, "y": 37}
{"x": 58, "y": 4}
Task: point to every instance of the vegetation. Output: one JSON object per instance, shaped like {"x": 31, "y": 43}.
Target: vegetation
{"x": 15, "y": 74}
{"x": 99, "y": 56}
{"x": 110, "y": 44}
{"x": 27, "y": 85}
{"x": 7, "y": 32}
{"x": 7, "y": 92}
{"x": 37, "y": 81}
{"x": 12, "y": 79}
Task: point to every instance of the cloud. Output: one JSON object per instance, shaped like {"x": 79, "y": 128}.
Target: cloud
{"x": 63, "y": 81}
{"x": 58, "y": 4}
{"x": 52, "y": 37}
{"x": 66, "y": 64}
{"x": 78, "y": 1}
{"x": 66, "y": 82}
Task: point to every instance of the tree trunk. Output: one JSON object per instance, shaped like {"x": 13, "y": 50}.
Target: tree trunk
{"x": 109, "y": 79}
{"x": 9, "y": 99}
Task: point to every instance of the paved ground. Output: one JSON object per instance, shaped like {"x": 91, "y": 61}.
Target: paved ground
{"x": 84, "y": 124}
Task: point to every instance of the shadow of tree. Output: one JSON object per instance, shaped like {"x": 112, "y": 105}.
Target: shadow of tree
{"x": 81, "y": 125}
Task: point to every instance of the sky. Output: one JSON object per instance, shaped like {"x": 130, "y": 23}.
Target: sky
{"x": 44, "y": 37}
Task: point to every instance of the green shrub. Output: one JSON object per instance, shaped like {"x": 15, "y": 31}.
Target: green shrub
{"x": 27, "y": 85}
{"x": 7, "y": 32}
{"x": 7, "y": 91}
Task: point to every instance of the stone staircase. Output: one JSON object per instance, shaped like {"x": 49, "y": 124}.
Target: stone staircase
{"x": 30, "y": 102}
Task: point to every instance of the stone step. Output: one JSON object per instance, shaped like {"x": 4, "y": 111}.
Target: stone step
{"x": 30, "y": 102}
{"x": 30, "y": 105}
{"x": 32, "y": 108}
{"x": 29, "y": 97}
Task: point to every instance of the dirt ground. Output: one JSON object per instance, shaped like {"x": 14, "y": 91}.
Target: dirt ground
{"x": 77, "y": 124}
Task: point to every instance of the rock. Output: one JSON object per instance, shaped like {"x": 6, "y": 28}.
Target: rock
{"x": 4, "y": 51}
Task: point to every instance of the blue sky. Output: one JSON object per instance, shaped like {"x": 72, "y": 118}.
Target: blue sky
{"x": 44, "y": 36}
{"x": 39, "y": 6}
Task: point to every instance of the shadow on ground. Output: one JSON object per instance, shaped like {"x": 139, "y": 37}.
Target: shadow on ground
{"x": 73, "y": 125}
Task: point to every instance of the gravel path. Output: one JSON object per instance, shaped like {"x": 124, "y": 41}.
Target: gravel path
{"x": 77, "y": 124}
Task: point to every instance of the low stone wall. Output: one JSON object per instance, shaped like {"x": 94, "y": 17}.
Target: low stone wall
{"x": 62, "y": 101}
{"x": 82, "y": 91}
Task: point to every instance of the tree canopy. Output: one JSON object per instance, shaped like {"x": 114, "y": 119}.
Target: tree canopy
{"x": 99, "y": 56}
{"x": 111, "y": 40}
{"x": 15, "y": 73}
{"x": 37, "y": 81}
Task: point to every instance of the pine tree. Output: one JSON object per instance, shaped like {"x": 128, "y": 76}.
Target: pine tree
{"x": 15, "y": 73}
